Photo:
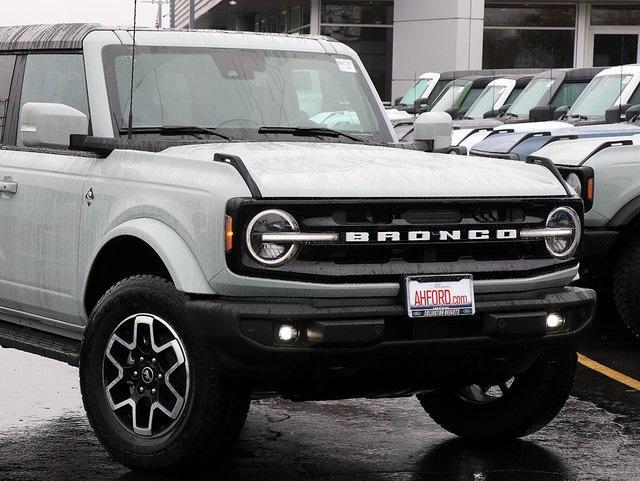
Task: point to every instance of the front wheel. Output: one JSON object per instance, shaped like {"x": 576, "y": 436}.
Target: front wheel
{"x": 150, "y": 388}
{"x": 514, "y": 408}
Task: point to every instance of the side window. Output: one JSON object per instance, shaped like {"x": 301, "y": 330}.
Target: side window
{"x": 7, "y": 64}
{"x": 635, "y": 98}
{"x": 55, "y": 78}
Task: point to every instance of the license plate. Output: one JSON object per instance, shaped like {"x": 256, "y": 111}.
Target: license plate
{"x": 437, "y": 296}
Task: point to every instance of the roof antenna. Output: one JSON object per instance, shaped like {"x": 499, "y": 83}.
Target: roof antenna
{"x": 133, "y": 64}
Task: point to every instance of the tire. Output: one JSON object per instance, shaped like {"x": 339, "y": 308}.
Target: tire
{"x": 186, "y": 433}
{"x": 530, "y": 402}
{"x": 626, "y": 286}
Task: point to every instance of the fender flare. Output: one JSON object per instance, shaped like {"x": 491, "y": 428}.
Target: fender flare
{"x": 626, "y": 213}
{"x": 182, "y": 265}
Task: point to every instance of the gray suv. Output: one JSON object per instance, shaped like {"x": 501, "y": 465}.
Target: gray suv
{"x": 240, "y": 222}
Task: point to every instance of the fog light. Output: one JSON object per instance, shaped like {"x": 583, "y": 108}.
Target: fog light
{"x": 287, "y": 333}
{"x": 555, "y": 321}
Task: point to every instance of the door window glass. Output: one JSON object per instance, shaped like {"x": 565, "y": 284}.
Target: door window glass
{"x": 7, "y": 63}
{"x": 55, "y": 78}
{"x": 614, "y": 49}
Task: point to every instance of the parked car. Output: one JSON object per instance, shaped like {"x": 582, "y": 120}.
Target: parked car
{"x": 604, "y": 100}
{"x": 606, "y": 173}
{"x": 198, "y": 240}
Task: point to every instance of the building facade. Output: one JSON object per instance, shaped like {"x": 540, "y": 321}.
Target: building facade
{"x": 400, "y": 39}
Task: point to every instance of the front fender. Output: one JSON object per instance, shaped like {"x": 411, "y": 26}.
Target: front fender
{"x": 183, "y": 267}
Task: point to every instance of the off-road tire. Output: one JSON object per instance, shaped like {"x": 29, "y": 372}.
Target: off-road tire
{"x": 533, "y": 400}
{"x": 214, "y": 412}
{"x": 626, "y": 286}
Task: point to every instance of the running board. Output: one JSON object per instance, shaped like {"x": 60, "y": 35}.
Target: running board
{"x": 13, "y": 336}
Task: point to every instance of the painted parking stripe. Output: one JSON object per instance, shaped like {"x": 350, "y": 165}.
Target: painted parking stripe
{"x": 611, "y": 373}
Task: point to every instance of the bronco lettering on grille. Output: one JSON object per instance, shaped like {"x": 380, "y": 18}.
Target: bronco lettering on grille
{"x": 434, "y": 236}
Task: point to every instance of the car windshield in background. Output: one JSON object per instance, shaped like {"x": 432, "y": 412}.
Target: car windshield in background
{"x": 485, "y": 101}
{"x": 599, "y": 95}
{"x": 415, "y": 92}
{"x": 449, "y": 97}
{"x": 237, "y": 91}
{"x": 531, "y": 96}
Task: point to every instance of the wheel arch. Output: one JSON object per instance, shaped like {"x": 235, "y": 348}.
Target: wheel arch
{"x": 158, "y": 248}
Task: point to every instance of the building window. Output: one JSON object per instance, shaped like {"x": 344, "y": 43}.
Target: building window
{"x": 529, "y": 36}
{"x": 367, "y": 27}
{"x": 615, "y": 15}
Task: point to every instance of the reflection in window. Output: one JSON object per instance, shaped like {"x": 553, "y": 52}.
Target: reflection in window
{"x": 529, "y": 15}
{"x": 615, "y": 15}
{"x": 485, "y": 101}
{"x": 600, "y": 94}
{"x": 349, "y": 12}
{"x": 415, "y": 92}
{"x": 513, "y": 48}
{"x": 531, "y": 96}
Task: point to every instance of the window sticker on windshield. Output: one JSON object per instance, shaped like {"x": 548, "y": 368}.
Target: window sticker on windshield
{"x": 346, "y": 65}
{"x": 626, "y": 80}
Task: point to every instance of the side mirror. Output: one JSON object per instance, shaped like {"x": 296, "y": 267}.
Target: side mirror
{"x": 454, "y": 112}
{"x": 560, "y": 112}
{"x": 632, "y": 113}
{"x": 614, "y": 114}
{"x": 50, "y": 125}
{"x": 542, "y": 113}
{"x": 432, "y": 131}
{"x": 397, "y": 101}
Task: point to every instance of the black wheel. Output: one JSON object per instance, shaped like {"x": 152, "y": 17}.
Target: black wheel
{"x": 516, "y": 407}
{"x": 150, "y": 388}
{"x": 626, "y": 286}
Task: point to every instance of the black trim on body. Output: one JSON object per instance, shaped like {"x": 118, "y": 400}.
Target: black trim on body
{"x": 237, "y": 163}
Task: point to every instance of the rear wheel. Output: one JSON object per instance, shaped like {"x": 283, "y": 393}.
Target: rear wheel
{"x": 151, "y": 390}
{"x": 516, "y": 407}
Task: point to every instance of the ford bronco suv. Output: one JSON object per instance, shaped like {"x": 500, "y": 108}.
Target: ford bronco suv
{"x": 183, "y": 225}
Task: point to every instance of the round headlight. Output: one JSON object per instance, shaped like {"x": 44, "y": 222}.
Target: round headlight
{"x": 565, "y": 218}
{"x": 271, "y": 221}
{"x": 574, "y": 182}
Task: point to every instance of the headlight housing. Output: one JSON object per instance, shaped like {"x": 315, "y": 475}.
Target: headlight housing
{"x": 575, "y": 183}
{"x": 272, "y": 221}
{"x": 581, "y": 180}
{"x": 564, "y": 219}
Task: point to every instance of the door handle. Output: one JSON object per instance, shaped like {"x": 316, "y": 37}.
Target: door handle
{"x": 8, "y": 187}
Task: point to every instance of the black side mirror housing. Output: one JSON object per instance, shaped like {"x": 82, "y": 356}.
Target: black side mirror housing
{"x": 397, "y": 101}
{"x": 560, "y": 112}
{"x": 614, "y": 114}
{"x": 632, "y": 113}
{"x": 542, "y": 113}
{"x": 454, "y": 112}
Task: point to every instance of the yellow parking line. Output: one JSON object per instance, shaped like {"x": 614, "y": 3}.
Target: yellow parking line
{"x": 607, "y": 371}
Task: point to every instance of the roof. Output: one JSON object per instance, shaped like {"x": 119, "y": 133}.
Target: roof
{"x": 46, "y": 37}
{"x": 69, "y": 36}
{"x": 583, "y": 74}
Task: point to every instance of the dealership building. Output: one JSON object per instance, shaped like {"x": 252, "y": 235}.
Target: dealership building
{"x": 400, "y": 39}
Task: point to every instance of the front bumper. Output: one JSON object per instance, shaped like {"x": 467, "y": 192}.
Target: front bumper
{"x": 369, "y": 347}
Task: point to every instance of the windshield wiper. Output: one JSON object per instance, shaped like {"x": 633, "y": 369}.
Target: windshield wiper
{"x": 308, "y": 132}
{"x": 510, "y": 115}
{"x": 177, "y": 130}
{"x": 579, "y": 117}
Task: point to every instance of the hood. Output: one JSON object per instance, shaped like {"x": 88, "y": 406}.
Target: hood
{"x": 575, "y": 153}
{"x": 333, "y": 170}
{"x": 464, "y": 128}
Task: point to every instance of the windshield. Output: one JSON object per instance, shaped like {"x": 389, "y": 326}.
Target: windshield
{"x": 416, "y": 92}
{"x": 485, "y": 101}
{"x": 531, "y": 96}
{"x": 449, "y": 97}
{"x": 601, "y": 93}
{"x": 237, "y": 91}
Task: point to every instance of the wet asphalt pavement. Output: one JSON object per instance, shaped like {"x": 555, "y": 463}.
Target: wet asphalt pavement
{"x": 44, "y": 434}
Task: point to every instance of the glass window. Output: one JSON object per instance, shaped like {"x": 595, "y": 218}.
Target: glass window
{"x": 531, "y": 96}
{"x": 635, "y": 98}
{"x": 470, "y": 98}
{"x": 614, "y": 49}
{"x": 415, "y": 92}
{"x": 440, "y": 85}
{"x": 55, "y": 78}
{"x": 375, "y": 47}
{"x": 485, "y": 101}
{"x": 7, "y": 63}
{"x": 252, "y": 88}
{"x": 515, "y": 93}
{"x": 449, "y": 97}
{"x": 529, "y": 15}
{"x": 599, "y": 95}
{"x": 513, "y": 48}
{"x": 350, "y": 12}
{"x": 568, "y": 93}
{"x": 615, "y": 15}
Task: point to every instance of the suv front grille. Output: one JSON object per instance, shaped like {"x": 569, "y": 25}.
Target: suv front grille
{"x": 367, "y": 261}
